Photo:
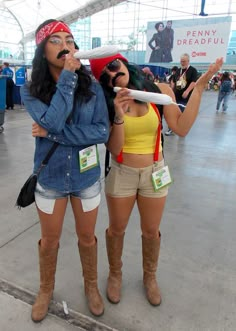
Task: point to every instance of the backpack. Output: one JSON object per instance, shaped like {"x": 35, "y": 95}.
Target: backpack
{"x": 150, "y": 87}
{"x": 226, "y": 86}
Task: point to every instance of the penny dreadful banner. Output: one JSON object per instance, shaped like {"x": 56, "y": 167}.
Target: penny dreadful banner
{"x": 203, "y": 39}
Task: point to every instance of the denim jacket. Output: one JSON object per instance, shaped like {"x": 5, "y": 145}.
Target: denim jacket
{"x": 89, "y": 125}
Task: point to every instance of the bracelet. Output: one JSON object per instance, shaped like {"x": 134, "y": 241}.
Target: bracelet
{"x": 118, "y": 123}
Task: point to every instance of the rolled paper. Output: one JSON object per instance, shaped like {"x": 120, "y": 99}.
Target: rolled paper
{"x": 97, "y": 53}
{"x": 157, "y": 98}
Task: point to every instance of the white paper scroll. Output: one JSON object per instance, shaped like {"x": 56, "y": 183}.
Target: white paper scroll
{"x": 97, "y": 53}
{"x": 157, "y": 98}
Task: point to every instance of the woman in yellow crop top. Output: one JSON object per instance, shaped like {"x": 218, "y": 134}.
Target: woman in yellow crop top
{"x": 135, "y": 145}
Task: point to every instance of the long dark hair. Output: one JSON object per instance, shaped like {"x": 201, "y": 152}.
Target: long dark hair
{"x": 158, "y": 24}
{"x": 42, "y": 85}
{"x": 137, "y": 81}
{"x": 225, "y": 76}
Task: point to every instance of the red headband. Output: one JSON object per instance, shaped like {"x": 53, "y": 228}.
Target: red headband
{"x": 49, "y": 29}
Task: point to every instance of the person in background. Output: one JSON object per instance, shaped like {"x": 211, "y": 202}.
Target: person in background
{"x": 168, "y": 42}
{"x": 148, "y": 73}
{"x": 68, "y": 108}
{"x": 233, "y": 83}
{"x": 135, "y": 146}
{"x": 7, "y": 71}
{"x": 183, "y": 83}
{"x": 171, "y": 79}
{"x": 225, "y": 89}
{"x": 157, "y": 79}
{"x": 234, "y": 77}
{"x": 157, "y": 48}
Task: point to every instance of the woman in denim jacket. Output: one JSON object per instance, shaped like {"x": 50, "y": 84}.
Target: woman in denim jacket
{"x": 69, "y": 108}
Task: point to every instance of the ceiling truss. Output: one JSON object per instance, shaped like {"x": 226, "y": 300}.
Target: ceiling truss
{"x": 83, "y": 12}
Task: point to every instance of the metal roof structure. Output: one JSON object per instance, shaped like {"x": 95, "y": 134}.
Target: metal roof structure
{"x": 124, "y": 21}
{"x": 30, "y": 13}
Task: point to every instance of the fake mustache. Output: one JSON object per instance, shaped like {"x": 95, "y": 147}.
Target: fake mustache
{"x": 63, "y": 52}
{"x": 113, "y": 81}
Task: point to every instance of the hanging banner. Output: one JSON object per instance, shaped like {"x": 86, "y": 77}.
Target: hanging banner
{"x": 203, "y": 39}
{"x": 20, "y": 76}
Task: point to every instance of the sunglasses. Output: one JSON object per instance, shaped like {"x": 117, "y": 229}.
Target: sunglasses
{"x": 114, "y": 66}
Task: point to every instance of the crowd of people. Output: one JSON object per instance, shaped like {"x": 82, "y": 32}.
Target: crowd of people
{"x": 182, "y": 81}
{"x": 74, "y": 112}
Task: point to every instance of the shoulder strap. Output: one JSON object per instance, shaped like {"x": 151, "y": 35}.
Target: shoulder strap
{"x": 151, "y": 87}
{"x": 49, "y": 154}
{"x": 107, "y": 162}
{"x": 47, "y": 157}
{"x": 119, "y": 158}
{"x": 156, "y": 153}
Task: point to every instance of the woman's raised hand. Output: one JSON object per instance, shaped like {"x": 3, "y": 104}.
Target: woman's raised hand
{"x": 71, "y": 63}
{"x": 212, "y": 69}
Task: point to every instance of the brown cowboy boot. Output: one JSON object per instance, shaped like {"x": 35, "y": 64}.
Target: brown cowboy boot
{"x": 47, "y": 264}
{"x": 151, "y": 248}
{"x": 114, "y": 252}
{"x": 88, "y": 256}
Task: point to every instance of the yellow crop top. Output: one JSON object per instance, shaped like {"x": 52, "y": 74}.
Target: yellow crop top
{"x": 141, "y": 133}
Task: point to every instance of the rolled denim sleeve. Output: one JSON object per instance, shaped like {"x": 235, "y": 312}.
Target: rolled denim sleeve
{"x": 81, "y": 133}
{"x": 52, "y": 117}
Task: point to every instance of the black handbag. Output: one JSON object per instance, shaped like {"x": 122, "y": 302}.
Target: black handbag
{"x": 26, "y": 196}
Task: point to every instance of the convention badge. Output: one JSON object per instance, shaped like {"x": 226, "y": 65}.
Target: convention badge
{"x": 88, "y": 158}
{"x": 184, "y": 83}
{"x": 179, "y": 84}
{"x": 161, "y": 178}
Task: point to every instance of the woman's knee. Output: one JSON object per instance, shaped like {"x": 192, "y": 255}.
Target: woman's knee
{"x": 50, "y": 241}
{"x": 150, "y": 233}
{"x": 86, "y": 239}
{"x": 116, "y": 229}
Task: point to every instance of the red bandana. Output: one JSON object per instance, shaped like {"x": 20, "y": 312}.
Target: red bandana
{"x": 49, "y": 29}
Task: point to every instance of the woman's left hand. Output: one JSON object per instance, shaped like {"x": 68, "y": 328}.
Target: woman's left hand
{"x": 212, "y": 69}
{"x": 38, "y": 131}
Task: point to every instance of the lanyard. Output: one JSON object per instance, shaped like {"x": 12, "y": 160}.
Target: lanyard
{"x": 181, "y": 75}
{"x": 119, "y": 158}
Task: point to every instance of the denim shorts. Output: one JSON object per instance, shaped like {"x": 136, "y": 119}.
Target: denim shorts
{"x": 90, "y": 197}
{"x": 124, "y": 181}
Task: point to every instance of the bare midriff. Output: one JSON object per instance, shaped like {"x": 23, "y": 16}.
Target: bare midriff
{"x": 139, "y": 160}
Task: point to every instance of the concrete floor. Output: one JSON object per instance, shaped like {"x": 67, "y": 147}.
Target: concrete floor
{"x": 197, "y": 268}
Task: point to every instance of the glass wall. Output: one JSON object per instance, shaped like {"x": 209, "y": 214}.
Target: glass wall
{"x": 124, "y": 25}
{"x": 10, "y": 37}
